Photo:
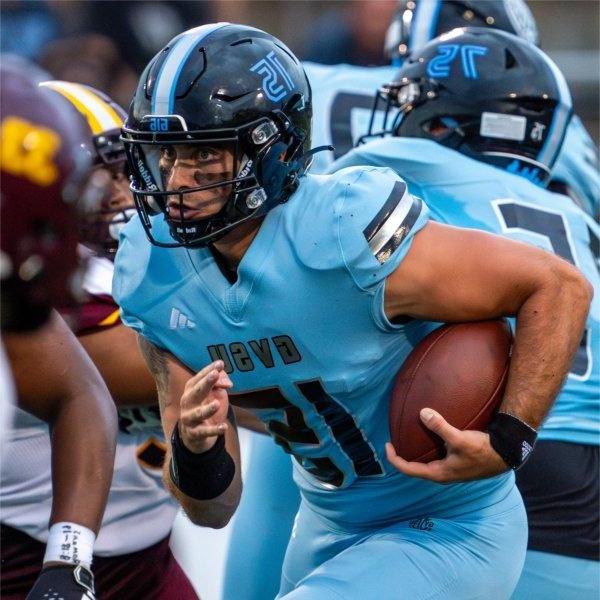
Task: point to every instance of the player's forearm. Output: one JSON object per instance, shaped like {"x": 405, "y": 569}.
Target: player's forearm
{"x": 550, "y": 324}
{"x": 117, "y": 356}
{"x": 83, "y": 449}
{"x": 216, "y": 512}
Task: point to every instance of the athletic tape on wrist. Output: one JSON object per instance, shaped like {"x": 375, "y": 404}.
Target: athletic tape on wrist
{"x": 201, "y": 476}
{"x": 512, "y": 439}
{"x": 70, "y": 543}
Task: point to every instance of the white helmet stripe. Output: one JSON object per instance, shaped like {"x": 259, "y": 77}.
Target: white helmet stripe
{"x": 559, "y": 123}
{"x": 163, "y": 95}
{"x": 100, "y": 115}
{"x": 424, "y": 23}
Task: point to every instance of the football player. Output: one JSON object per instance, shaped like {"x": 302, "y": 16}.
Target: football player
{"x": 342, "y": 109}
{"x": 306, "y": 293}
{"x": 343, "y": 93}
{"x": 480, "y": 122}
{"x": 137, "y": 497}
{"x": 45, "y": 182}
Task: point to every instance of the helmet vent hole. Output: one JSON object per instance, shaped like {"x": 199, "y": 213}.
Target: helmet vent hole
{"x": 244, "y": 41}
{"x": 509, "y": 60}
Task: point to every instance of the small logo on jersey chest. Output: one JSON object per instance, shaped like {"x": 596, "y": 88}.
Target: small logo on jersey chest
{"x": 424, "y": 524}
{"x": 180, "y": 321}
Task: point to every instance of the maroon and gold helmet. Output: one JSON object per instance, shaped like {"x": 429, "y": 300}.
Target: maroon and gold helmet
{"x": 104, "y": 119}
{"x": 46, "y": 185}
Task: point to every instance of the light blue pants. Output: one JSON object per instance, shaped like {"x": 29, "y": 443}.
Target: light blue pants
{"x": 263, "y": 524}
{"x": 554, "y": 577}
{"x": 477, "y": 555}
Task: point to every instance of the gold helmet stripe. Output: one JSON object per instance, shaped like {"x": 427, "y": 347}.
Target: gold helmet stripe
{"x": 100, "y": 115}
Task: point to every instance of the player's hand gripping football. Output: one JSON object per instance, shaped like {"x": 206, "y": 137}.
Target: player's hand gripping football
{"x": 203, "y": 407}
{"x": 469, "y": 454}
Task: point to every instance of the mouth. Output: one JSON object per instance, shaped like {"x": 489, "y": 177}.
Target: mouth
{"x": 183, "y": 212}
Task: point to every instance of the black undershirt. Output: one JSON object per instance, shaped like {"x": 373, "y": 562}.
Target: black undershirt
{"x": 230, "y": 273}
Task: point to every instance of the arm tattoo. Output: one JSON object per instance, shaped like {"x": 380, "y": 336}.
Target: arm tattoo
{"x": 155, "y": 359}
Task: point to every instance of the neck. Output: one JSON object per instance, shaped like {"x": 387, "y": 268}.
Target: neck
{"x": 233, "y": 246}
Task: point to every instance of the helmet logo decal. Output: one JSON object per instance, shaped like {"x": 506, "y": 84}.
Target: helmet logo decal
{"x": 439, "y": 66}
{"x": 159, "y": 124}
{"x": 537, "y": 133}
{"x": 28, "y": 151}
{"x": 276, "y": 82}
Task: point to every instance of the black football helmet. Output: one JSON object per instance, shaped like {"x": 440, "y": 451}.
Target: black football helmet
{"x": 214, "y": 85}
{"x": 485, "y": 93}
{"x": 416, "y": 22}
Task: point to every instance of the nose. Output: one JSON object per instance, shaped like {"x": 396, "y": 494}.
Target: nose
{"x": 182, "y": 175}
{"x": 120, "y": 196}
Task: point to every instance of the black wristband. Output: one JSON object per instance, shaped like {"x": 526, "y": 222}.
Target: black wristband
{"x": 512, "y": 439}
{"x": 201, "y": 476}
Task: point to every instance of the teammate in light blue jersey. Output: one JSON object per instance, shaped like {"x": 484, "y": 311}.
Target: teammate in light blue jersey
{"x": 307, "y": 293}
{"x": 342, "y": 106}
{"x": 576, "y": 172}
{"x": 416, "y": 22}
{"x": 560, "y": 483}
{"x": 343, "y": 94}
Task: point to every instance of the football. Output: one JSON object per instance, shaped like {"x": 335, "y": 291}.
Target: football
{"x": 459, "y": 370}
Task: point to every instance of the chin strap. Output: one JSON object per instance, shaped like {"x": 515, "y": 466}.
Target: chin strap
{"x": 304, "y": 158}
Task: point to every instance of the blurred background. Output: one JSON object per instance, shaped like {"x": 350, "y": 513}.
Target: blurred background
{"x": 107, "y": 43}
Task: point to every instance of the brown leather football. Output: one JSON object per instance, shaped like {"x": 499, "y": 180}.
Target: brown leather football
{"x": 459, "y": 370}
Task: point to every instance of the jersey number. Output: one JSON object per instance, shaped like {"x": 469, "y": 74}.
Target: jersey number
{"x": 520, "y": 217}
{"x": 296, "y": 431}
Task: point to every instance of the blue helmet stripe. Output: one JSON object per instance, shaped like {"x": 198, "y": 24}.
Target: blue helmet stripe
{"x": 560, "y": 120}
{"x": 163, "y": 95}
{"x": 424, "y": 23}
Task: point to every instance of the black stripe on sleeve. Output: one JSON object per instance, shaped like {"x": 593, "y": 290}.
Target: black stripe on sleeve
{"x": 386, "y": 210}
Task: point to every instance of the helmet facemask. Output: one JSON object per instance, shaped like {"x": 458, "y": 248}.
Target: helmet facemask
{"x": 257, "y": 180}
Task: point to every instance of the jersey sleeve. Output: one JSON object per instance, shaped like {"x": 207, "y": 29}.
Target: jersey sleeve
{"x": 128, "y": 279}
{"x": 376, "y": 221}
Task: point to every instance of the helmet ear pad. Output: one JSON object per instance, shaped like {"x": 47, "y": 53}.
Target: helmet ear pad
{"x": 272, "y": 169}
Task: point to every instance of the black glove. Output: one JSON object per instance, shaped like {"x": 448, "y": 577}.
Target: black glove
{"x": 68, "y": 582}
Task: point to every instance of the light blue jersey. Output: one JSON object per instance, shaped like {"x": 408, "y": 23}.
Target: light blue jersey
{"x": 304, "y": 336}
{"x": 467, "y": 193}
{"x": 343, "y": 97}
{"x": 577, "y": 167}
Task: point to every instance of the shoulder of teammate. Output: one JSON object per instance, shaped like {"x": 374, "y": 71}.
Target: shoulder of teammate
{"x": 316, "y": 72}
{"x": 365, "y": 219}
{"x": 348, "y": 77}
{"x": 416, "y": 160}
{"x": 577, "y": 166}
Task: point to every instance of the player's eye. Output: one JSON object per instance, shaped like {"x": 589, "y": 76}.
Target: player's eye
{"x": 206, "y": 154}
